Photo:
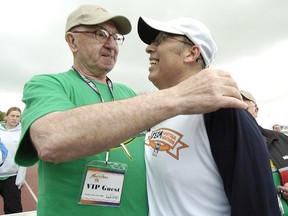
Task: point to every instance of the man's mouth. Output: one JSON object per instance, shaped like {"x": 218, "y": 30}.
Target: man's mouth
{"x": 153, "y": 62}
{"x": 108, "y": 56}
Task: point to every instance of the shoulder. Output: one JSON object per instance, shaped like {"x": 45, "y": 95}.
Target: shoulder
{"x": 274, "y": 134}
{"x": 228, "y": 116}
{"x": 51, "y": 82}
{"x": 62, "y": 76}
{"x": 231, "y": 122}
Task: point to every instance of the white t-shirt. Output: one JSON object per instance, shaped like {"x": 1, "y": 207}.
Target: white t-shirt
{"x": 183, "y": 179}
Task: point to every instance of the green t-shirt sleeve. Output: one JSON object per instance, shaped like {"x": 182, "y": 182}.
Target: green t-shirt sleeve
{"x": 42, "y": 94}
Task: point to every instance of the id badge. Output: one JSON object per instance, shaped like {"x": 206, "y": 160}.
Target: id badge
{"x": 103, "y": 183}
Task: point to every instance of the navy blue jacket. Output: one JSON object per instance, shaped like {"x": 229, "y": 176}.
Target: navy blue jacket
{"x": 242, "y": 158}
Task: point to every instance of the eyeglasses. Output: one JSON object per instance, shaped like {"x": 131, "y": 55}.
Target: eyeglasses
{"x": 163, "y": 36}
{"x": 102, "y": 35}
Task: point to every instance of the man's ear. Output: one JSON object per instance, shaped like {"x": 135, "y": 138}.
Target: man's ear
{"x": 193, "y": 54}
{"x": 256, "y": 110}
{"x": 69, "y": 37}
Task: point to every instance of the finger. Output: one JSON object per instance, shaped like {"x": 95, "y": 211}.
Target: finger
{"x": 232, "y": 102}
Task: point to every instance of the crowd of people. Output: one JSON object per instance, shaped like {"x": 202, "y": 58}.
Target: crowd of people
{"x": 103, "y": 150}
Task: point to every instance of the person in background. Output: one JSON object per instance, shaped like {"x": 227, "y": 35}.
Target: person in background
{"x": 12, "y": 177}
{"x": 277, "y": 127}
{"x": 277, "y": 145}
{"x": 4, "y": 152}
{"x": 83, "y": 129}
{"x": 214, "y": 164}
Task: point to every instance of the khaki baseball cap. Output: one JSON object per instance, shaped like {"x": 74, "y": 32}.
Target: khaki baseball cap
{"x": 248, "y": 96}
{"x": 93, "y": 15}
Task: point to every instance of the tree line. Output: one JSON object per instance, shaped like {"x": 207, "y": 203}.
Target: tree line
{"x": 2, "y": 115}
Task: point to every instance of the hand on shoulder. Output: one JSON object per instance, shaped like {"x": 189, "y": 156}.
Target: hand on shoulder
{"x": 208, "y": 91}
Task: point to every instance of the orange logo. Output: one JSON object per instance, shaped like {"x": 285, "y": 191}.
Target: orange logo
{"x": 165, "y": 139}
{"x": 96, "y": 176}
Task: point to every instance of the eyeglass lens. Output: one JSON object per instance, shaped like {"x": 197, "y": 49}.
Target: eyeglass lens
{"x": 163, "y": 36}
{"x": 103, "y": 35}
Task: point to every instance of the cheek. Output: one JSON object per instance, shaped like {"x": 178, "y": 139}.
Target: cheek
{"x": 166, "y": 62}
{"x": 88, "y": 54}
{"x": 169, "y": 67}
{"x": 116, "y": 52}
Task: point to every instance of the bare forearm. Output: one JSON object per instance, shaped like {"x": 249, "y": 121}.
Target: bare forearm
{"x": 89, "y": 130}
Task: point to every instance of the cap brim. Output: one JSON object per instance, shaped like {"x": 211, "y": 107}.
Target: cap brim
{"x": 123, "y": 24}
{"x": 248, "y": 96}
{"x": 148, "y": 29}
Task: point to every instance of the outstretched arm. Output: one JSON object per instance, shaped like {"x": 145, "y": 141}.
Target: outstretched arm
{"x": 91, "y": 129}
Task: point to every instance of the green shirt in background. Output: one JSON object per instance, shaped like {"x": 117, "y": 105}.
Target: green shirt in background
{"x": 60, "y": 184}
{"x": 277, "y": 182}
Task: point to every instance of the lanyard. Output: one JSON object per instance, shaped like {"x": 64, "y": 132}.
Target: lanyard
{"x": 94, "y": 87}
{"x": 110, "y": 86}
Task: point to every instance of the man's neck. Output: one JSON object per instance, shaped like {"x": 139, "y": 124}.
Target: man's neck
{"x": 101, "y": 78}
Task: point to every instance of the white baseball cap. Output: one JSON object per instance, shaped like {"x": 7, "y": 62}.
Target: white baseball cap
{"x": 197, "y": 32}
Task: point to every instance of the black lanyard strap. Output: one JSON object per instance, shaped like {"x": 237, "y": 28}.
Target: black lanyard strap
{"x": 110, "y": 86}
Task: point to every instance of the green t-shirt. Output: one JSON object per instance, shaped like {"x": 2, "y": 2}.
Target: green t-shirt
{"x": 60, "y": 184}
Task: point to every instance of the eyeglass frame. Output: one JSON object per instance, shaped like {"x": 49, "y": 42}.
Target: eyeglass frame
{"x": 115, "y": 36}
{"x": 165, "y": 35}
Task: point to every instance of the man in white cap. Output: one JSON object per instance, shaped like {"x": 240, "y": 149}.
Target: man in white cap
{"x": 277, "y": 145}
{"x": 214, "y": 164}
{"x": 75, "y": 121}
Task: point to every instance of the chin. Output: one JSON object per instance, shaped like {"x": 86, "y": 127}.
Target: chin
{"x": 155, "y": 83}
